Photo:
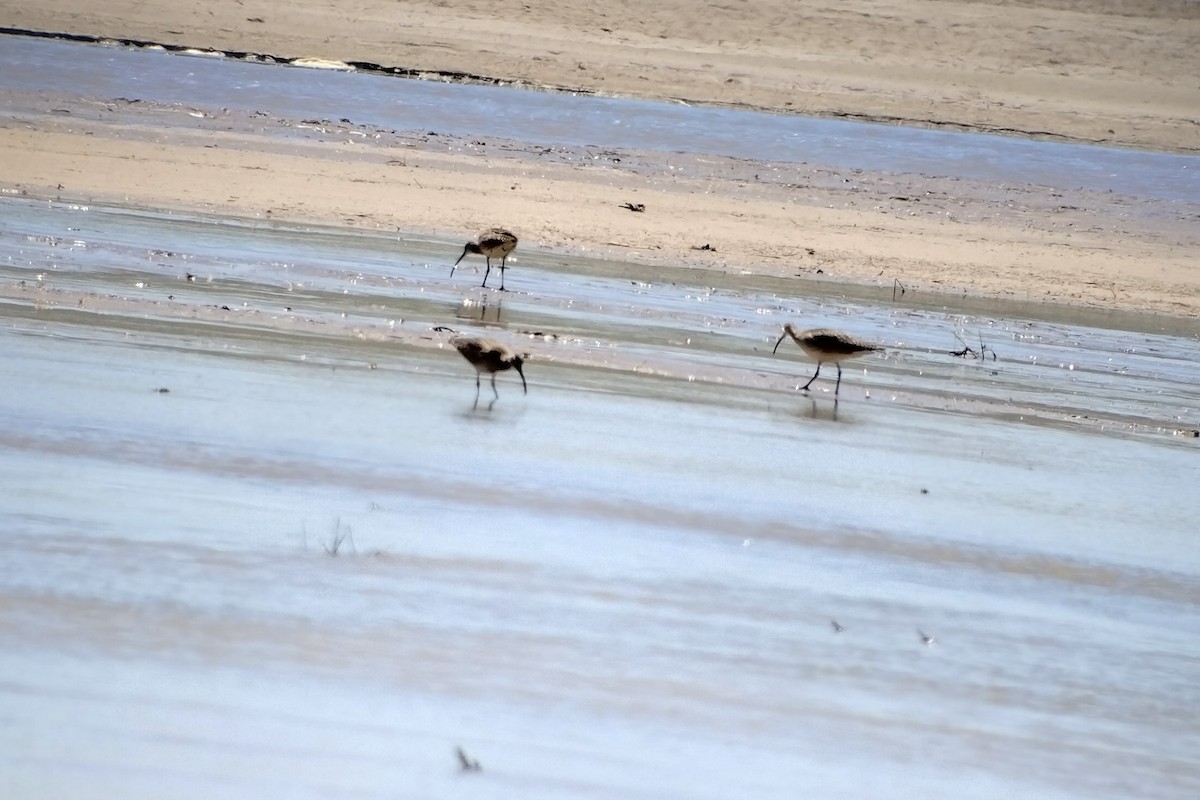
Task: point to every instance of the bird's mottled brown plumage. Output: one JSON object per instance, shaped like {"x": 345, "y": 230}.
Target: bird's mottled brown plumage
{"x": 492, "y": 243}
{"x": 826, "y": 344}
{"x": 489, "y": 356}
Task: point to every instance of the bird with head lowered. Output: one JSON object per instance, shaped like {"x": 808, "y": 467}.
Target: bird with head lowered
{"x": 492, "y": 243}
{"x": 489, "y": 356}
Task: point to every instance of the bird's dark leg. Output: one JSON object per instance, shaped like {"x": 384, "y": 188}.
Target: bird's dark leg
{"x": 804, "y": 388}
{"x": 838, "y": 388}
{"x": 476, "y": 392}
{"x": 503, "y": 261}
{"x": 488, "y": 272}
{"x": 494, "y": 386}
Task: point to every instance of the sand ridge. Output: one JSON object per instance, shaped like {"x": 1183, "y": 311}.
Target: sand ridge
{"x": 1111, "y": 71}
{"x": 758, "y": 216}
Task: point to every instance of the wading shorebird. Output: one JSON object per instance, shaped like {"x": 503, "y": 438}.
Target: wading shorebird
{"x": 826, "y": 344}
{"x": 486, "y": 355}
{"x": 492, "y": 243}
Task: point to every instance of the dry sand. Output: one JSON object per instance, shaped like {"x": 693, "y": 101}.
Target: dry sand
{"x": 1113, "y": 72}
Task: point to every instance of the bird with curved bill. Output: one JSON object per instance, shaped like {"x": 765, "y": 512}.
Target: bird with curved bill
{"x": 492, "y": 243}
{"x": 826, "y": 344}
{"x": 486, "y": 355}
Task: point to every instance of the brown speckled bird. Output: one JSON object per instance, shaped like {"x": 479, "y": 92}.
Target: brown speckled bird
{"x": 826, "y": 344}
{"x": 490, "y": 356}
{"x": 492, "y": 243}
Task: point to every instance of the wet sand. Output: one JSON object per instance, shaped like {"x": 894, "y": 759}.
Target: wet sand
{"x": 1108, "y": 71}
{"x": 1016, "y": 240}
{"x": 734, "y": 216}
{"x": 263, "y": 542}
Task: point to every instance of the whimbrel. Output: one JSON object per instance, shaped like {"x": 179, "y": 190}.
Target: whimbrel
{"x": 826, "y": 344}
{"x": 487, "y": 355}
{"x": 492, "y": 243}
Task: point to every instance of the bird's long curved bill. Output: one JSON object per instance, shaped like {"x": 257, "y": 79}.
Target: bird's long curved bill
{"x": 460, "y": 258}
{"x": 781, "y": 338}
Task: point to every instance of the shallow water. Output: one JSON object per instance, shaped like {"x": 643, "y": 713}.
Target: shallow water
{"x": 620, "y": 584}
{"x": 39, "y": 65}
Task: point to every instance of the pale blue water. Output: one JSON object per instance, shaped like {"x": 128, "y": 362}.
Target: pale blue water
{"x": 37, "y": 65}
{"x": 618, "y": 585}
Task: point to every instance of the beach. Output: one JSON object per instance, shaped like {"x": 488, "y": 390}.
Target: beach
{"x": 1113, "y": 72}
{"x": 268, "y": 534}
{"x": 1067, "y": 71}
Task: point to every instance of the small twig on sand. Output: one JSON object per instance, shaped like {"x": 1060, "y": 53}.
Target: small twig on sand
{"x": 983, "y": 349}
{"x": 967, "y": 350}
{"x": 340, "y": 537}
{"x": 466, "y": 763}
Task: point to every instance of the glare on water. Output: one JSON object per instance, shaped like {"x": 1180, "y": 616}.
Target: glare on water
{"x": 259, "y": 541}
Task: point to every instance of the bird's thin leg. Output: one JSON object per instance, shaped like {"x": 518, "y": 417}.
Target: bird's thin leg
{"x": 494, "y": 386}
{"x": 488, "y": 272}
{"x": 476, "y": 392}
{"x": 837, "y": 388}
{"x": 503, "y": 261}
{"x": 804, "y": 388}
